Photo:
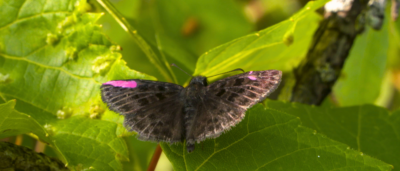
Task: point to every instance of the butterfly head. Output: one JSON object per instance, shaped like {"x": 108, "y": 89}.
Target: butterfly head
{"x": 199, "y": 80}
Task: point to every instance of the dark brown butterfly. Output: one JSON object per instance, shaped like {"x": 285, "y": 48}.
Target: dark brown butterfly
{"x": 160, "y": 111}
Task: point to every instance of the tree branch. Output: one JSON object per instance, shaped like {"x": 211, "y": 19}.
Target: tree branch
{"x": 344, "y": 20}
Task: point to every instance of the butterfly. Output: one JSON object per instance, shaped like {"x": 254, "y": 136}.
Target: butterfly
{"x": 161, "y": 111}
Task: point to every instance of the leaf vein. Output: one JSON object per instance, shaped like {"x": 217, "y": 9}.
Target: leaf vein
{"x": 49, "y": 67}
{"x": 33, "y": 16}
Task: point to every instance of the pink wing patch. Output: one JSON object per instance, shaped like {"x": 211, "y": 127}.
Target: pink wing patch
{"x": 250, "y": 72}
{"x": 124, "y": 84}
{"x": 252, "y": 77}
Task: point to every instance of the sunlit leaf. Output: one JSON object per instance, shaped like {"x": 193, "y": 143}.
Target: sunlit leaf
{"x": 55, "y": 58}
{"x": 277, "y": 47}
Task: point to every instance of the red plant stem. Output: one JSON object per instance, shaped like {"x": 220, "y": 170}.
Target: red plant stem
{"x": 154, "y": 159}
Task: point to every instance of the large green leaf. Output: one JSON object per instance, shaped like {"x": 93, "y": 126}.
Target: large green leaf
{"x": 278, "y": 47}
{"x": 271, "y": 139}
{"x": 368, "y": 129}
{"x": 73, "y": 62}
{"x": 14, "y": 123}
{"x": 53, "y": 58}
{"x": 364, "y": 69}
{"x": 94, "y": 141}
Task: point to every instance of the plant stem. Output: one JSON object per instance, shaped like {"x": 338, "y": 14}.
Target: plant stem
{"x": 136, "y": 37}
{"x": 154, "y": 159}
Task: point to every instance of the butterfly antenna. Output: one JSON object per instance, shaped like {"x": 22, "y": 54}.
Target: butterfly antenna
{"x": 239, "y": 69}
{"x": 181, "y": 69}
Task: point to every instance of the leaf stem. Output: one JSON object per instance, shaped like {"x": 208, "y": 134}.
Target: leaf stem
{"x": 154, "y": 159}
{"x": 136, "y": 37}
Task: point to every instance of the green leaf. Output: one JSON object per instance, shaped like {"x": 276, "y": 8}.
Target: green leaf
{"x": 90, "y": 143}
{"x": 65, "y": 74}
{"x": 271, "y": 139}
{"x": 14, "y": 123}
{"x": 209, "y": 29}
{"x": 11, "y": 119}
{"x": 368, "y": 129}
{"x": 364, "y": 69}
{"x": 278, "y": 47}
{"x": 53, "y": 58}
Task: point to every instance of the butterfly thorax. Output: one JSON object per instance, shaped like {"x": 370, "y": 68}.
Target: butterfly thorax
{"x": 195, "y": 89}
{"x": 199, "y": 80}
{"x": 192, "y": 93}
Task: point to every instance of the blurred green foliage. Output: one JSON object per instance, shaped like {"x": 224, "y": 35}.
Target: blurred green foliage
{"x": 54, "y": 55}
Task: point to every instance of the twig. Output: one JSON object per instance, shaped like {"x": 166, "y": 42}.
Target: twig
{"x": 154, "y": 159}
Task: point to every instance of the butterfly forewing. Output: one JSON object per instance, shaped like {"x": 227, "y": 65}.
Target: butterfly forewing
{"x": 128, "y": 96}
{"x": 151, "y": 108}
{"x": 227, "y": 100}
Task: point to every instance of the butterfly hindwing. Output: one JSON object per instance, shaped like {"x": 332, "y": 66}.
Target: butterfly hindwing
{"x": 151, "y": 108}
{"x": 246, "y": 89}
{"x": 227, "y": 100}
{"x": 213, "y": 117}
